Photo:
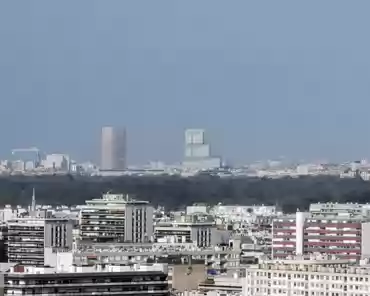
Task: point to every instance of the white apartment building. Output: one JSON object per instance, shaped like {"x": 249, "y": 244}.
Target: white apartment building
{"x": 314, "y": 277}
{"x": 116, "y": 218}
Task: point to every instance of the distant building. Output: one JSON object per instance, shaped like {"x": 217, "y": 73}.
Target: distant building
{"x": 116, "y": 218}
{"x": 196, "y": 145}
{"x": 198, "y": 151}
{"x": 113, "y": 148}
{"x": 198, "y": 229}
{"x": 58, "y": 162}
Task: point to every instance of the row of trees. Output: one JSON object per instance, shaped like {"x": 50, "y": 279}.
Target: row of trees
{"x": 176, "y": 192}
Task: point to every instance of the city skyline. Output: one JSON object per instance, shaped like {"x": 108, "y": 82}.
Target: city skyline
{"x": 270, "y": 81}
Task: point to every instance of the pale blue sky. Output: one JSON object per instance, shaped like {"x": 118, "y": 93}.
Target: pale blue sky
{"x": 267, "y": 78}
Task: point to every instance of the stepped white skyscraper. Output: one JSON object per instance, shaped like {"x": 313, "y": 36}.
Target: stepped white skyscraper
{"x": 195, "y": 144}
{"x": 113, "y": 148}
{"x": 198, "y": 151}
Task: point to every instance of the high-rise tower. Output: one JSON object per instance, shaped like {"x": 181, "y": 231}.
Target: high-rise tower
{"x": 195, "y": 144}
{"x": 198, "y": 151}
{"x": 113, "y": 148}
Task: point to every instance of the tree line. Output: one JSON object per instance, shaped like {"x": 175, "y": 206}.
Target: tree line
{"x": 176, "y": 192}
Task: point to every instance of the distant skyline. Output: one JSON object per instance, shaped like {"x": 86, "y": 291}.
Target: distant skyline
{"x": 264, "y": 79}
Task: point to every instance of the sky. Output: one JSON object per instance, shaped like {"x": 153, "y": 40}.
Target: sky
{"x": 265, "y": 78}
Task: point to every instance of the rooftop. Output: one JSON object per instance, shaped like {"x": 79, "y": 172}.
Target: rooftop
{"x": 24, "y": 270}
{"x": 115, "y": 199}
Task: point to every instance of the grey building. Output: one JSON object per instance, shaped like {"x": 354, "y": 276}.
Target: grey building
{"x": 116, "y": 218}
{"x": 113, "y": 148}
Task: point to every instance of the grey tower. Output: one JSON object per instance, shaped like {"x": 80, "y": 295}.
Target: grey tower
{"x": 113, "y": 148}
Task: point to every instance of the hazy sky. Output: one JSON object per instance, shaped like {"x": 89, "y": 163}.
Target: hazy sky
{"x": 267, "y": 78}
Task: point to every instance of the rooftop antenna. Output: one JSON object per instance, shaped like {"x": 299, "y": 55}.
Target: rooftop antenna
{"x": 33, "y": 204}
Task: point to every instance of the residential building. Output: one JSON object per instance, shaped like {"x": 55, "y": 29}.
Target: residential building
{"x": 342, "y": 237}
{"x": 199, "y": 229}
{"x": 198, "y": 151}
{"x": 116, "y": 218}
{"x": 28, "y": 237}
{"x": 196, "y": 145}
{"x": 113, "y": 148}
{"x": 313, "y": 277}
{"x": 150, "y": 280}
{"x": 215, "y": 258}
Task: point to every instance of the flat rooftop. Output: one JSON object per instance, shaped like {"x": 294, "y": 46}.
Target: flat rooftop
{"x": 29, "y": 270}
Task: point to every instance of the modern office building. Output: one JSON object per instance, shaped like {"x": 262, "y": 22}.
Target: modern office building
{"x": 113, "y": 148}
{"x": 116, "y": 218}
{"x": 88, "y": 280}
{"x": 198, "y": 151}
{"x": 28, "y": 237}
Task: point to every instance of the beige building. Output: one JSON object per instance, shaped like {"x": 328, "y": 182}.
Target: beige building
{"x": 315, "y": 277}
{"x": 113, "y": 148}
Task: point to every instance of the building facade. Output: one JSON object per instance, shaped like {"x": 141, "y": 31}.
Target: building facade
{"x": 88, "y": 280}
{"x": 113, "y": 148}
{"x": 198, "y": 151}
{"x": 198, "y": 229}
{"x": 302, "y": 234}
{"x": 307, "y": 278}
{"x": 27, "y": 238}
{"x": 116, "y": 218}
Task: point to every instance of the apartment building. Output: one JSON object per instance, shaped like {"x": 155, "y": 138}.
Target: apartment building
{"x": 303, "y": 234}
{"x": 314, "y": 277}
{"x": 88, "y": 280}
{"x": 116, "y": 218}
{"x": 27, "y": 238}
{"x": 198, "y": 229}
